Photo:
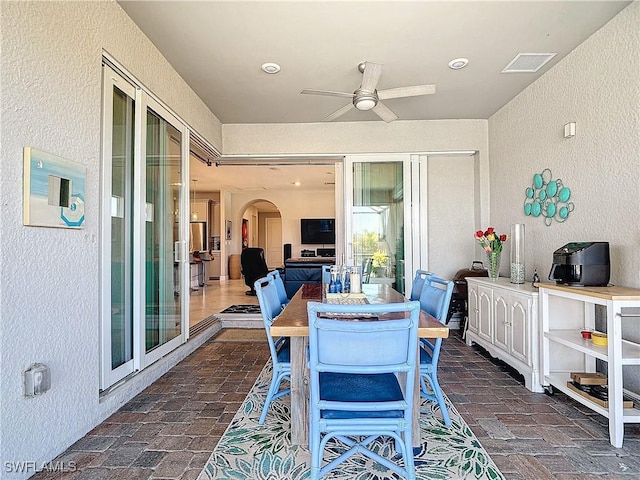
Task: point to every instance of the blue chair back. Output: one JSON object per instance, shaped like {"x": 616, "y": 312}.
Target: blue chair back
{"x": 418, "y": 282}
{"x": 355, "y": 386}
{"x": 434, "y": 299}
{"x": 270, "y": 306}
{"x": 280, "y": 349}
{"x": 282, "y": 293}
{"x": 436, "y": 296}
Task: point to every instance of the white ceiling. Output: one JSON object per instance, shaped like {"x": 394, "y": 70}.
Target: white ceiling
{"x": 218, "y": 47}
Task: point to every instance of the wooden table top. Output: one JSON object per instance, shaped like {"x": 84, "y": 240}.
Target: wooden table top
{"x": 294, "y": 322}
{"x": 608, "y": 293}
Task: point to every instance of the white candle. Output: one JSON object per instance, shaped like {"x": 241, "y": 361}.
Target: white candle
{"x": 355, "y": 283}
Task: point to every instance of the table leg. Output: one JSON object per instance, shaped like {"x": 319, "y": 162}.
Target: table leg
{"x": 299, "y": 392}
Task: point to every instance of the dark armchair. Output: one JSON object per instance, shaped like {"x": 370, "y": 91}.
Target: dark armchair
{"x": 254, "y": 267}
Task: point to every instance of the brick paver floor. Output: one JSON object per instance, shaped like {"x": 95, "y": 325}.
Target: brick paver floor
{"x": 169, "y": 430}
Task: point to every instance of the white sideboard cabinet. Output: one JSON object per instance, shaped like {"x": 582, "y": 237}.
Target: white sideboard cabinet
{"x": 503, "y": 319}
{"x": 565, "y": 311}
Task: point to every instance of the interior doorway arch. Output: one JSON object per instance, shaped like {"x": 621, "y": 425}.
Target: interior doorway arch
{"x": 262, "y": 222}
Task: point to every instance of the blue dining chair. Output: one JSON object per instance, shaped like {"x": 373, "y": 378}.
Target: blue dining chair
{"x": 358, "y": 372}
{"x": 434, "y": 299}
{"x": 418, "y": 282}
{"x": 326, "y": 274}
{"x": 282, "y": 292}
{"x": 270, "y": 307}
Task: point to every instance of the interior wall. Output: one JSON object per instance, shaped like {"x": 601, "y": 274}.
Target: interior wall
{"x": 51, "y": 77}
{"x": 598, "y": 87}
{"x": 292, "y": 205}
{"x": 450, "y": 219}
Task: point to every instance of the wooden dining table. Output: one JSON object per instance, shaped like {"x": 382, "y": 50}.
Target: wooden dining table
{"x": 293, "y": 322}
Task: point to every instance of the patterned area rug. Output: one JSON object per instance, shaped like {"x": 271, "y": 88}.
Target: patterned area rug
{"x": 249, "y": 451}
{"x": 242, "y": 309}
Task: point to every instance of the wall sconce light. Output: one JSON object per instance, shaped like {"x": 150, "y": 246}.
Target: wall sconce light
{"x": 570, "y": 130}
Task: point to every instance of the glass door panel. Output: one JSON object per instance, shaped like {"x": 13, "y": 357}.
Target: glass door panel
{"x": 162, "y": 279}
{"x": 376, "y": 219}
{"x": 121, "y": 218}
{"x": 118, "y": 332}
{"x": 145, "y": 294}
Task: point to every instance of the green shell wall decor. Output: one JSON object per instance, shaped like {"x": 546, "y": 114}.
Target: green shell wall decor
{"x": 548, "y": 198}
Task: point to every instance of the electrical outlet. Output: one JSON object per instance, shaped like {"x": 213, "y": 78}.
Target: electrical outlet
{"x": 37, "y": 380}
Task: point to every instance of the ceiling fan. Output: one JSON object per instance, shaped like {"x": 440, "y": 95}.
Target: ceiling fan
{"x": 368, "y": 98}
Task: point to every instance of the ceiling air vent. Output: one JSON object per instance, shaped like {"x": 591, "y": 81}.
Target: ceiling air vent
{"x": 528, "y": 62}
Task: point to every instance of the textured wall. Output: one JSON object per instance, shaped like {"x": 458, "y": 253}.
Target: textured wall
{"x": 49, "y": 289}
{"x": 598, "y": 87}
{"x": 356, "y": 137}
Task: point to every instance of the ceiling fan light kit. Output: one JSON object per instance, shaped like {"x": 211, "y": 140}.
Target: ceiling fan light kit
{"x": 366, "y": 97}
{"x": 365, "y": 100}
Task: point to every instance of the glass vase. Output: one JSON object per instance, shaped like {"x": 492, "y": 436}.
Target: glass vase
{"x": 517, "y": 253}
{"x": 493, "y": 267}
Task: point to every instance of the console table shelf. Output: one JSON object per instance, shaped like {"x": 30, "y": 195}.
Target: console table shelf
{"x": 564, "y": 312}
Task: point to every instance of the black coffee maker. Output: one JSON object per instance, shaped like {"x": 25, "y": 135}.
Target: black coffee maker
{"x": 581, "y": 264}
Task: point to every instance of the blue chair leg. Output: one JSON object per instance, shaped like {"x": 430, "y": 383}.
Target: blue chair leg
{"x": 316, "y": 455}
{"x": 273, "y": 388}
{"x": 437, "y": 391}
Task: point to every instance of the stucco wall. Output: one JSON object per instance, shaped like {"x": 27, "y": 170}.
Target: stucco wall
{"x": 355, "y": 137}
{"x": 598, "y": 87}
{"x": 49, "y": 288}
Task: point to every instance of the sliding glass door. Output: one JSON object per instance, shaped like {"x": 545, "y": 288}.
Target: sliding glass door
{"x": 145, "y": 276}
{"x": 409, "y": 211}
{"x": 376, "y": 214}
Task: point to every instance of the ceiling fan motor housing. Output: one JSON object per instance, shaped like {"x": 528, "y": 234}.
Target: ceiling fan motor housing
{"x": 364, "y": 100}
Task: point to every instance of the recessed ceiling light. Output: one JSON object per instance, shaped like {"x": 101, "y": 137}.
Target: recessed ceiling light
{"x": 270, "y": 68}
{"x": 297, "y": 184}
{"x": 458, "y": 63}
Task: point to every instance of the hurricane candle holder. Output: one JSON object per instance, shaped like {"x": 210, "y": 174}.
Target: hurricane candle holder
{"x": 517, "y": 253}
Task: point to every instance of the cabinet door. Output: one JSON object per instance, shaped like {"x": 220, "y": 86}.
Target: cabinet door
{"x": 216, "y": 265}
{"x": 520, "y": 319}
{"x": 485, "y": 312}
{"x": 501, "y": 322}
{"x": 472, "y": 311}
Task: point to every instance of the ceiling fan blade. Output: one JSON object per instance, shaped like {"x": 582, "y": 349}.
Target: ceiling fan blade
{"x": 338, "y": 113}
{"x": 384, "y": 113}
{"x": 412, "y": 91}
{"x": 371, "y": 76}
{"x": 326, "y": 92}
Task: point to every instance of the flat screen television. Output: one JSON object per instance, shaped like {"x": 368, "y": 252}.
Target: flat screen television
{"x": 317, "y": 231}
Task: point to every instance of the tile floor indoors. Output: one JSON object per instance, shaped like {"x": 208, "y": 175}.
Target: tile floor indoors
{"x": 169, "y": 430}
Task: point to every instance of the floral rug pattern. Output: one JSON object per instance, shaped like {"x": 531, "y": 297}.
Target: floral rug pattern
{"x": 249, "y": 451}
